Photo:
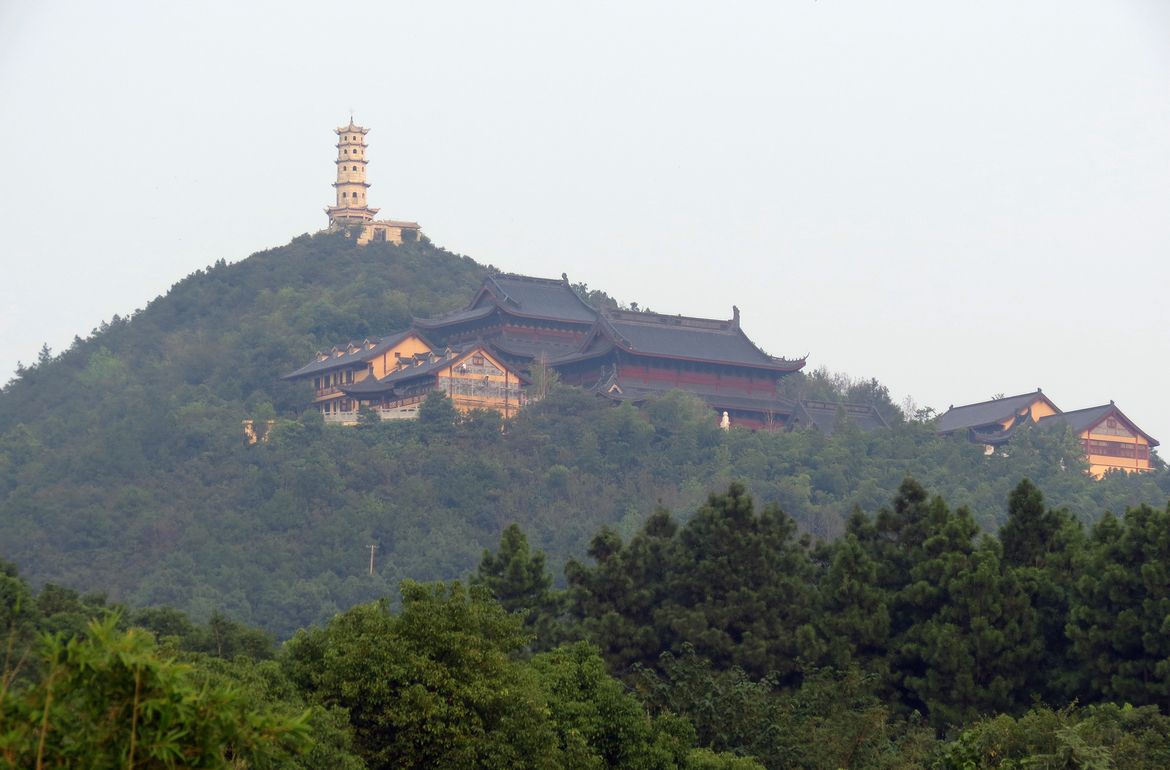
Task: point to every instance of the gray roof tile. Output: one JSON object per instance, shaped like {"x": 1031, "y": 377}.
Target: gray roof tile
{"x": 985, "y": 412}
{"x": 701, "y": 339}
{"x": 359, "y": 356}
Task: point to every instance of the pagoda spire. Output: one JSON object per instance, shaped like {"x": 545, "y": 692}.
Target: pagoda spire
{"x": 351, "y": 185}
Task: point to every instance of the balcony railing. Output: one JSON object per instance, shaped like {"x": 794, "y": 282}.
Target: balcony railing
{"x": 394, "y": 413}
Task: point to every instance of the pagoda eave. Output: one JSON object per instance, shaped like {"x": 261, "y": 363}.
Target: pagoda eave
{"x": 344, "y": 213}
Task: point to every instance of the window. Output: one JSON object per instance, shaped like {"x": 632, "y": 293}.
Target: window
{"x": 1116, "y": 449}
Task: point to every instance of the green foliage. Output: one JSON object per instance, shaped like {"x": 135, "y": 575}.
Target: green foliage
{"x": 1094, "y": 738}
{"x": 108, "y": 699}
{"x": 735, "y": 583}
{"x": 433, "y": 686}
{"x": 1119, "y": 621}
{"x": 440, "y": 685}
{"x": 831, "y": 721}
{"x": 437, "y": 416}
{"x": 518, "y": 580}
{"x": 854, "y": 616}
{"x": 599, "y": 723}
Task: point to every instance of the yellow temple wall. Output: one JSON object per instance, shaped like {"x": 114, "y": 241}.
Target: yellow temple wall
{"x": 1099, "y": 464}
{"x": 1038, "y": 408}
{"x": 393, "y": 233}
{"x": 479, "y": 388}
{"x": 388, "y": 361}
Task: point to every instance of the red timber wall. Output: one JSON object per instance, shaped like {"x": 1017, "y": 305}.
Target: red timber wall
{"x": 493, "y": 326}
{"x": 668, "y": 373}
{"x": 555, "y": 335}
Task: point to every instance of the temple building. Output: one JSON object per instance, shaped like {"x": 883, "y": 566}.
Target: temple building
{"x": 482, "y": 357}
{"x": 632, "y": 356}
{"x": 993, "y": 422}
{"x": 355, "y": 362}
{"x": 1109, "y": 439}
{"x": 352, "y": 210}
{"x": 829, "y": 416}
{"x": 472, "y": 377}
{"x": 524, "y": 318}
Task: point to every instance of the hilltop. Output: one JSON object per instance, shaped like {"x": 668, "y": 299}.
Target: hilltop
{"x": 123, "y": 467}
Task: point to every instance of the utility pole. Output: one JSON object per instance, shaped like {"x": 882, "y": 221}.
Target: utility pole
{"x": 372, "y": 549}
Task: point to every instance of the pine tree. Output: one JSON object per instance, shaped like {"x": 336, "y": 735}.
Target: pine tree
{"x": 1118, "y": 622}
{"x": 517, "y": 578}
{"x": 1042, "y": 547}
{"x": 742, "y": 590}
{"x": 853, "y": 616}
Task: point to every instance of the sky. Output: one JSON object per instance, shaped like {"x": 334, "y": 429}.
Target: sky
{"x": 959, "y": 199}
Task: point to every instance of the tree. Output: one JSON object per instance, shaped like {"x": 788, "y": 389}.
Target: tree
{"x": 1118, "y": 618}
{"x": 433, "y": 686}
{"x": 1043, "y": 548}
{"x": 109, "y": 700}
{"x": 599, "y": 723}
{"x": 853, "y": 616}
{"x": 517, "y": 578}
{"x": 437, "y": 415}
{"x": 733, "y": 582}
{"x": 1034, "y": 533}
{"x": 742, "y": 587}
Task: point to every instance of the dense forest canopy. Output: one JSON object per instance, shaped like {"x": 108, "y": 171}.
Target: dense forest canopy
{"x": 123, "y": 466}
{"x": 725, "y": 641}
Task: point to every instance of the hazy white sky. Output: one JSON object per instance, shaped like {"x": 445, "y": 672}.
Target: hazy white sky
{"x": 958, "y": 198}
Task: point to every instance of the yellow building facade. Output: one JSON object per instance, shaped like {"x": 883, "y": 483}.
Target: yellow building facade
{"x": 346, "y": 365}
{"x": 1110, "y": 440}
{"x": 472, "y": 377}
{"x": 351, "y": 211}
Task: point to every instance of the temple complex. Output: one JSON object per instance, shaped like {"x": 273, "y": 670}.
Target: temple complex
{"x": 1109, "y": 439}
{"x": 352, "y": 211}
{"x": 482, "y": 356}
{"x": 632, "y": 356}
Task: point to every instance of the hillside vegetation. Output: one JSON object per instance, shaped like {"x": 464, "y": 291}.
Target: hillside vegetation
{"x": 123, "y": 467}
{"x": 725, "y": 642}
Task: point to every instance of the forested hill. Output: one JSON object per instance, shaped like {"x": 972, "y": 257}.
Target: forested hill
{"x": 224, "y": 335}
{"x": 123, "y": 469}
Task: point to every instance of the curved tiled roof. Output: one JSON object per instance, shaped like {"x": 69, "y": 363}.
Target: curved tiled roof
{"x": 823, "y": 415}
{"x": 695, "y": 339}
{"x": 540, "y": 298}
{"x": 986, "y": 412}
{"x": 1081, "y": 420}
{"x": 470, "y": 314}
{"x": 638, "y": 391}
{"x": 524, "y": 296}
{"x": 362, "y": 354}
